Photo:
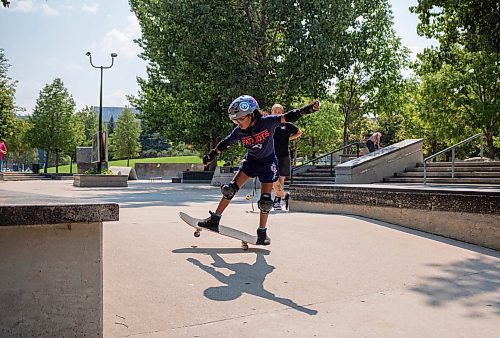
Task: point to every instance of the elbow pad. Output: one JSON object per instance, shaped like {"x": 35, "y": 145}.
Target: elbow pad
{"x": 223, "y": 145}
{"x": 294, "y": 115}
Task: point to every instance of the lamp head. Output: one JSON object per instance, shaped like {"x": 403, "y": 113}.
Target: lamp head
{"x": 113, "y": 55}
{"x": 88, "y": 53}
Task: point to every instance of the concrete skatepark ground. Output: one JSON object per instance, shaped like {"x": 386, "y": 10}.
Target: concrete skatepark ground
{"x": 323, "y": 276}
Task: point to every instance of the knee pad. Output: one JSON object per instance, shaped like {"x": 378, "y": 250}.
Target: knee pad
{"x": 229, "y": 190}
{"x": 265, "y": 203}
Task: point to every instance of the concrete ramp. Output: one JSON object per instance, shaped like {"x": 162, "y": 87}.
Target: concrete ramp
{"x": 129, "y": 171}
{"x": 376, "y": 166}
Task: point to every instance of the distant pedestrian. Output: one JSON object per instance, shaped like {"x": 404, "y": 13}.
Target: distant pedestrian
{"x": 3, "y": 151}
{"x": 284, "y": 133}
{"x": 373, "y": 141}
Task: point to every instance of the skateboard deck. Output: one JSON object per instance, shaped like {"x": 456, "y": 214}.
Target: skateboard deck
{"x": 223, "y": 230}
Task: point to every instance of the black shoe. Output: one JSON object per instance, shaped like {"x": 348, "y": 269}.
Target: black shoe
{"x": 277, "y": 203}
{"x": 262, "y": 238}
{"x": 211, "y": 223}
{"x": 286, "y": 198}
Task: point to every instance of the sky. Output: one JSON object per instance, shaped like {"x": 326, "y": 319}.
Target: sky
{"x": 47, "y": 39}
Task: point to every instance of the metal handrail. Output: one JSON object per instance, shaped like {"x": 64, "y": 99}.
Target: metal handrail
{"x": 452, "y": 148}
{"x": 323, "y": 156}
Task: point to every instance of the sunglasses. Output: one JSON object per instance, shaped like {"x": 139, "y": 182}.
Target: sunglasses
{"x": 240, "y": 119}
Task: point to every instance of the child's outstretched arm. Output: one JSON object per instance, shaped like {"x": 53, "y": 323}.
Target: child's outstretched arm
{"x": 294, "y": 115}
{"x": 212, "y": 154}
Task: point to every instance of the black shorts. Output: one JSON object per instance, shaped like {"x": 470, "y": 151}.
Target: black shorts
{"x": 284, "y": 166}
{"x": 266, "y": 171}
{"x": 371, "y": 146}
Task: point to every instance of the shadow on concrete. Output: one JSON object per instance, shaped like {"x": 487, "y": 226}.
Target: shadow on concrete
{"x": 449, "y": 241}
{"x": 463, "y": 282}
{"x": 247, "y": 278}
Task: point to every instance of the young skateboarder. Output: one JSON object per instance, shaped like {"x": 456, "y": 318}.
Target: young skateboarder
{"x": 255, "y": 132}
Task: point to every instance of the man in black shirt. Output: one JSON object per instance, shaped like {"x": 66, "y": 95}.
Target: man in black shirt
{"x": 283, "y": 134}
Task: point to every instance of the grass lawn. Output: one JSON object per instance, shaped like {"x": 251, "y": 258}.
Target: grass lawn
{"x": 123, "y": 163}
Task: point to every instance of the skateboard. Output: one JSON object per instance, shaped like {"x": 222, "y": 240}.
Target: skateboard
{"x": 223, "y": 230}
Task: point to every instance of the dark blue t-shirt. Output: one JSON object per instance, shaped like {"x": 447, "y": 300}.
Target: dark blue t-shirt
{"x": 257, "y": 139}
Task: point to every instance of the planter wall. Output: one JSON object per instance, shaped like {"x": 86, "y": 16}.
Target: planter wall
{"x": 100, "y": 180}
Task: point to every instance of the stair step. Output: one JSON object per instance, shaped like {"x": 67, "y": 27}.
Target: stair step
{"x": 462, "y": 164}
{"x": 14, "y": 176}
{"x": 314, "y": 178}
{"x": 315, "y": 174}
{"x": 457, "y": 169}
{"x": 494, "y": 181}
{"x": 448, "y": 174}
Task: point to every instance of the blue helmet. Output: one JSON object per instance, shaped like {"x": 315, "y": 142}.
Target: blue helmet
{"x": 242, "y": 106}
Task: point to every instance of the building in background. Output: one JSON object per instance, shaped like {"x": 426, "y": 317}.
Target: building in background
{"x": 107, "y": 112}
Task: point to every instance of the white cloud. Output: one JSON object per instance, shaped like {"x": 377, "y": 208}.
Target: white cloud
{"x": 47, "y": 10}
{"x": 117, "y": 98}
{"x": 90, "y": 8}
{"x": 122, "y": 41}
{"x": 26, "y": 6}
{"x": 73, "y": 68}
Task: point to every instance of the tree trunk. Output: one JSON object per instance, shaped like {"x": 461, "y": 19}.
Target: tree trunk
{"x": 345, "y": 137}
{"x": 46, "y": 161}
{"x": 491, "y": 147}
{"x": 57, "y": 161}
{"x": 128, "y": 161}
{"x": 213, "y": 165}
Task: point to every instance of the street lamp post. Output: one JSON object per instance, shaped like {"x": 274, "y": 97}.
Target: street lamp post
{"x": 100, "y": 146}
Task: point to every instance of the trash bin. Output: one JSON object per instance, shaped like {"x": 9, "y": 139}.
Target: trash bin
{"x": 35, "y": 167}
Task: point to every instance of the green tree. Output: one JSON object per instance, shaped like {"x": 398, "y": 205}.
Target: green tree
{"x": 52, "y": 121}
{"x": 88, "y": 117}
{"x": 321, "y": 132}
{"x": 474, "y": 24}
{"x": 460, "y": 100}
{"x": 124, "y": 142}
{"x": 20, "y": 150}
{"x": 469, "y": 37}
{"x": 398, "y": 118}
{"x": 7, "y": 91}
{"x": 202, "y": 55}
{"x": 111, "y": 125}
{"x": 371, "y": 84}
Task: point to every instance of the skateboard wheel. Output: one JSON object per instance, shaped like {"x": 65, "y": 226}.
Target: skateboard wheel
{"x": 196, "y": 234}
{"x": 244, "y": 247}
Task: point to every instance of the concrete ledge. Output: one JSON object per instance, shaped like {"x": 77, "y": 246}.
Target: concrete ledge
{"x": 100, "y": 180}
{"x": 129, "y": 171}
{"x": 374, "y": 167}
{"x": 51, "y": 266}
{"x": 31, "y": 214}
{"x": 468, "y": 216}
{"x": 51, "y": 283}
{"x": 166, "y": 170}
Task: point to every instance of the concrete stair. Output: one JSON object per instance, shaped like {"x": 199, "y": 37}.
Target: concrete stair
{"x": 487, "y": 172}
{"x": 319, "y": 175}
{"x": 18, "y": 176}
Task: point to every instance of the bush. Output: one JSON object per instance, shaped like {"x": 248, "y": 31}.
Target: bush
{"x": 93, "y": 171}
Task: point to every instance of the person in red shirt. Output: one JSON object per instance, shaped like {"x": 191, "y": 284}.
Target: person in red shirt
{"x": 3, "y": 151}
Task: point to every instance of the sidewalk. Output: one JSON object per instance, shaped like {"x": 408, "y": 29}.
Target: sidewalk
{"x": 323, "y": 275}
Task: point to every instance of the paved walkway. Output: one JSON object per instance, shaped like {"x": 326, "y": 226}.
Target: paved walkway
{"x": 323, "y": 276}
